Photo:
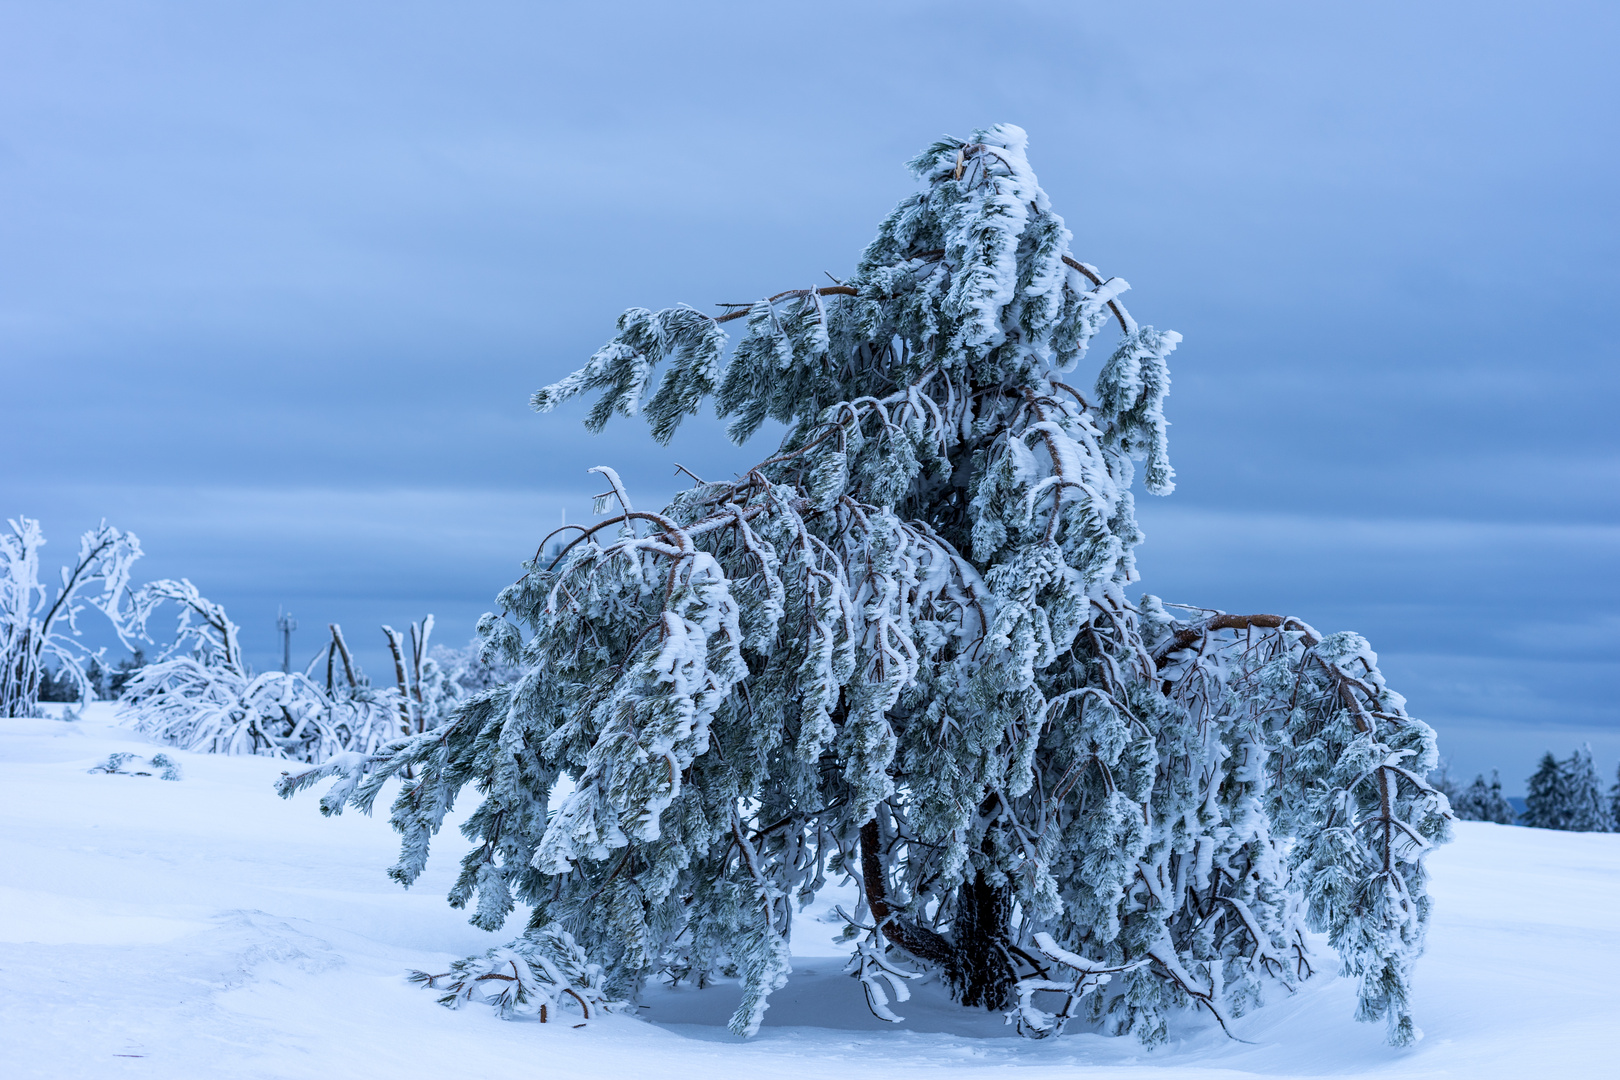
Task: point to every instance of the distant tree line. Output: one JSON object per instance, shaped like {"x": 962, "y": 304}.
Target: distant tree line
{"x": 1565, "y": 795}
{"x": 104, "y": 684}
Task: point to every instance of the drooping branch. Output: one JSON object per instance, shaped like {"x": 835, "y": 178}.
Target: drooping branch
{"x": 73, "y": 580}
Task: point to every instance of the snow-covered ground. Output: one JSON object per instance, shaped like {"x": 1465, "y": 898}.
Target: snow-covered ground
{"x": 206, "y": 928}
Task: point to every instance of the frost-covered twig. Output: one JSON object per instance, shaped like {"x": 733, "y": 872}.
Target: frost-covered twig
{"x": 881, "y": 979}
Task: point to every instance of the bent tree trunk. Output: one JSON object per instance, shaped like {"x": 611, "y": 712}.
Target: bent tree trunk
{"x": 975, "y": 958}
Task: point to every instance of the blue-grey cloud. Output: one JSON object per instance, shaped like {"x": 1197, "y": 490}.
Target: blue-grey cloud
{"x": 276, "y": 282}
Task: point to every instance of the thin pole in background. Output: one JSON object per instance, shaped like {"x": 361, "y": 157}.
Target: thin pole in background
{"x": 286, "y": 624}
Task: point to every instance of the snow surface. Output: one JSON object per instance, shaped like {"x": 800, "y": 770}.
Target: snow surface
{"x": 204, "y": 927}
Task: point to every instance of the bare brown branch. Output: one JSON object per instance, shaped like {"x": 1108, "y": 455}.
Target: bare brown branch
{"x": 825, "y": 290}
{"x": 1091, "y": 276}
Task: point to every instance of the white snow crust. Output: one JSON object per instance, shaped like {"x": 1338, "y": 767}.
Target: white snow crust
{"x": 206, "y": 928}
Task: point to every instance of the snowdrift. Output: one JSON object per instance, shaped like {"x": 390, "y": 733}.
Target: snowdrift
{"x": 202, "y": 927}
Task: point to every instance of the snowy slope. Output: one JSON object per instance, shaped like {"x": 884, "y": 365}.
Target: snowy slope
{"x": 206, "y": 928}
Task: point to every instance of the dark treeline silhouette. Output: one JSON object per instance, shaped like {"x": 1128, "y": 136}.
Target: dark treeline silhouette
{"x": 1564, "y": 795}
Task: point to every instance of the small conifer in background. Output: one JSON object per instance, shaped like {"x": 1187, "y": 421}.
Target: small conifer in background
{"x": 1566, "y": 795}
{"x": 1480, "y": 801}
{"x": 1588, "y": 809}
{"x": 1614, "y": 803}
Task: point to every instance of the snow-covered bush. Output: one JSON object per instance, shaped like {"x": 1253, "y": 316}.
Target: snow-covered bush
{"x": 362, "y": 717}
{"x": 1480, "y": 801}
{"x": 125, "y": 764}
{"x": 201, "y": 695}
{"x": 36, "y": 626}
{"x": 901, "y": 650}
{"x": 1566, "y": 795}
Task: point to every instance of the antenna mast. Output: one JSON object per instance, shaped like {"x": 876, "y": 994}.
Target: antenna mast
{"x": 286, "y": 624}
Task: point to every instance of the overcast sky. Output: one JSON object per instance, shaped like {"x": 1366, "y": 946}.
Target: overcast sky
{"x": 276, "y": 282}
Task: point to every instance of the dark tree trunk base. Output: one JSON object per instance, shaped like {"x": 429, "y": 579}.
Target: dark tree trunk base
{"x": 975, "y": 959}
{"x": 982, "y": 974}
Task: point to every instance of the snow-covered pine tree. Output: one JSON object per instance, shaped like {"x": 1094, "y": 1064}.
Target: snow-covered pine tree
{"x": 95, "y": 681}
{"x": 900, "y": 649}
{"x": 1566, "y": 795}
{"x": 1614, "y": 803}
{"x": 1587, "y": 809}
{"x": 54, "y": 688}
{"x": 36, "y": 625}
{"x": 1546, "y": 799}
{"x": 1480, "y": 801}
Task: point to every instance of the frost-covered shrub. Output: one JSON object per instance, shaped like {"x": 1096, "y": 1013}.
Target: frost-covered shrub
{"x": 201, "y": 695}
{"x": 432, "y": 681}
{"x": 126, "y": 764}
{"x": 900, "y": 651}
{"x": 37, "y": 625}
{"x": 470, "y": 670}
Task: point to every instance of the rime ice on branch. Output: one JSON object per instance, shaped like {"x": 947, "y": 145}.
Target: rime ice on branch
{"x": 900, "y": 649}
{"x": 37, "y": 624}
